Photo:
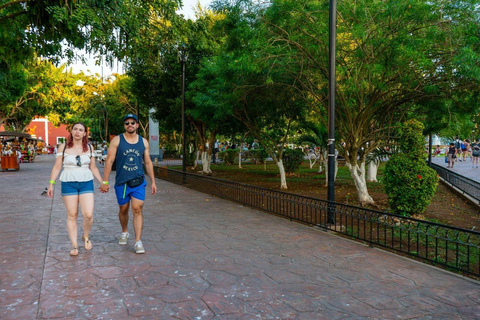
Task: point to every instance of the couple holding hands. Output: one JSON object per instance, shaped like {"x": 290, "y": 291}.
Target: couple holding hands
{"x": 77, "y": 159}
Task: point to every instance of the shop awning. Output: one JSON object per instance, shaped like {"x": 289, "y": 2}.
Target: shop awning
{"x": 14, "y": 134}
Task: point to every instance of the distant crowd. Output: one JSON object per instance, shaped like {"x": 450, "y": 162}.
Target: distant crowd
{"x": 459, "y": 151}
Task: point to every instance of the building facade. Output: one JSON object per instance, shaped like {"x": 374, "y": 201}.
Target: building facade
{"x": 42, "y": 129}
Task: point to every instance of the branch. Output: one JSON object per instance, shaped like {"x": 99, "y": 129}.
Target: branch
{"x": 12, "y": 15}
{"x": 12, "y": 3}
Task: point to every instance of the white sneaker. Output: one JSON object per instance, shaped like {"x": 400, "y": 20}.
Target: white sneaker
{"x": 139, "y": 247}
{"x": 123, "y": 238}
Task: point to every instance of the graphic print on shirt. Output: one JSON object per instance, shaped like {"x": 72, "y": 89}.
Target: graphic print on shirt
{"x": 130, "y": 163}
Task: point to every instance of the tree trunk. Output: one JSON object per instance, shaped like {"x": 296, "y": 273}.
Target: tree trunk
{"x": 283, "y": 178}
{"x": 358, "y": 175}
{"x": 205, "y": 163}
{"x": 325, "y": 163}
{"x": 196, "y": 160}
{"x": 240, "y": 158}
{"x": 310, "y": 156}
{"x": 372, "y": 171}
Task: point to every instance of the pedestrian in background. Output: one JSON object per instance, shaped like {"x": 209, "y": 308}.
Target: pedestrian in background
{"x": 475, "y": 153}
{"x": 452, "y": 152}
{"x": 77, "y": 158}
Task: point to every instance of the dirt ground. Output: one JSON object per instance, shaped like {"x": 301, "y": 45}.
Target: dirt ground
{"x": 447, "y": 207}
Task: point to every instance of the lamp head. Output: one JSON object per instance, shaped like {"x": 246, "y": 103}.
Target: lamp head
{"x": 182, "y": 53}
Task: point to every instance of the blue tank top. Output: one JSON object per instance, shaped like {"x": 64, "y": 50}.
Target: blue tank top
{"x": 129, "y": 160}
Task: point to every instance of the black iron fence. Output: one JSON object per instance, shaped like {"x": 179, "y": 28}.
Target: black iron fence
{"x": 466, "y": 185}
{"x": 451, "y": 247}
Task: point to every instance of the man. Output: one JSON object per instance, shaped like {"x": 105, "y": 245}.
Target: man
{"x": 215, "y": 151}
{"x": 475, "y": 153}
{"x": 255, "y": 145}
{"x": 458, "y": 148}
{"x": 127, "y": 150}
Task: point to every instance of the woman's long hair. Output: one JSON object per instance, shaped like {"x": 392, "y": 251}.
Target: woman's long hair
{"x": 84, "y": 139}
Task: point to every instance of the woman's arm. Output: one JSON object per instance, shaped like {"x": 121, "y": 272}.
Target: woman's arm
{"x": 57, "y": 167}
{"x": 93, "y": 167}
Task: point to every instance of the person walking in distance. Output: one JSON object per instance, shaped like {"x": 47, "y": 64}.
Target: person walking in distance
{"x": 130, "y": 151}
{"x": 475, "y": 153}
{"x": 451, "y": 154}
{"x": 78, "y": 161}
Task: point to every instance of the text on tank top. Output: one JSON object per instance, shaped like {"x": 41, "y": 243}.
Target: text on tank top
{"x": 129, "y": 160}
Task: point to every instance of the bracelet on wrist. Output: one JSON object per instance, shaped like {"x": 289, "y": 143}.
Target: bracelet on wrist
{"x": 105, "y": 182}
{"x": 52, "y": 181}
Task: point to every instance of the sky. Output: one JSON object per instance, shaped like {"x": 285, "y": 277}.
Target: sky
{"x": 106, "y": 71}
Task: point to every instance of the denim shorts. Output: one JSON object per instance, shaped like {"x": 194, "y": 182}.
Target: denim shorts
{"x": 124, "y": 193}
{"x": 76, "y": 188}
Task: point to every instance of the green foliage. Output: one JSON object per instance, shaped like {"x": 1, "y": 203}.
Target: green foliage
{"x": 190, "y": 159}
{"x": 258, "y": 155}
{"x": 396, "y": 60}
{"x": 412, "y": 141}
{"x": 12, "y": 84}
{"x": 229, "y": 156}
{"x": 170, "y": 152}
{"x": 112, "y": 28}
{"x": 292, "y": 159}
{"x": 409, "y": 183}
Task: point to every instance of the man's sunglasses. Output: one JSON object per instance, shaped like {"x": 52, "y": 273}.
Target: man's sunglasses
{"x": 129, "y": 122}
{"x": 79, "y": 163}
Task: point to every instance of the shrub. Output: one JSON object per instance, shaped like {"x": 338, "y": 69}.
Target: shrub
{"x": 409, "y": 183}
{"x": 258, "y": 155}
{"x": 190, "y": 159}
{"x": 170, "y": 152}
{"x": 292, "y": 159}
{"x": 229, "y": 156}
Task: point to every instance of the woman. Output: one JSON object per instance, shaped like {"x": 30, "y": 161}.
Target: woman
{"x": 475, "y": 153}
{"x": 452, "y": 154}
{"x": 78, "y": 160}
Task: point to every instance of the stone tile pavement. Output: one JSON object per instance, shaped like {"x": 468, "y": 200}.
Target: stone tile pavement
{"x": 463, "y": 168}
{"x": 205, "y": 258}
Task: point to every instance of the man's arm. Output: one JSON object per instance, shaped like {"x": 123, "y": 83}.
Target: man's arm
{"x": 112, "y": 153}
{"x": 149, "y": 165}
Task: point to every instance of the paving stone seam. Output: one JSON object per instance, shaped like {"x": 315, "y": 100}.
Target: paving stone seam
{"x": 45, "y": 257}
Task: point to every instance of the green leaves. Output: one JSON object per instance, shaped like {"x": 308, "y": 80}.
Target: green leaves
{"x": 409, "y": 183}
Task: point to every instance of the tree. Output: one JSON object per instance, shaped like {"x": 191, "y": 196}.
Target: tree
{"x": 157, "y": 72}
{"x": 47, "y": 90}
{"x": 242, "y": 84}
{"x": 391, "y": 58}
{"x": 108, "y": 102}
{"x": 101, "y": 27}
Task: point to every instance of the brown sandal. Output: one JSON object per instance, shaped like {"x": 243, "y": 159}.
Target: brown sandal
{"x": 74, "y": 251}
{"x": 88, "y": 243}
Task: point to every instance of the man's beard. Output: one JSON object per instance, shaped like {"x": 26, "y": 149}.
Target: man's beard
{"x": 129, "y": 130}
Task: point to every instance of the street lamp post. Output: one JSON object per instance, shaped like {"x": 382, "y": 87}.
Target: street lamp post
{"x": 183, "y": 59}
{"x": 331, "y": 110}
{"x": 429, "y": 149}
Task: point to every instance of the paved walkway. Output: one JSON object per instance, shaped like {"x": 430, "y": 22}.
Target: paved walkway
{"x": 463, "y": 168}
{"x": 205, "y": 258}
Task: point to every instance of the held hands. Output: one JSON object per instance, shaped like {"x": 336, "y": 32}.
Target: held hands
{"x": 104, "y": 188}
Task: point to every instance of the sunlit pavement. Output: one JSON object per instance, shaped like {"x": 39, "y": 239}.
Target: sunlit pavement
{"x": 205, "y": 258}
{"x": 463, "y": 168}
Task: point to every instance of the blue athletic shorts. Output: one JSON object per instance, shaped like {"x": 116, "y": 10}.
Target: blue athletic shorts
{"x": 76, "y": 188}
{"x": 125, "y": 193}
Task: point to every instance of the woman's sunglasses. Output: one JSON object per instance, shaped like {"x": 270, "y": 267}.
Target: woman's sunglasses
{"x": 79, "y": 162}
{"x": 129, "y": 122}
